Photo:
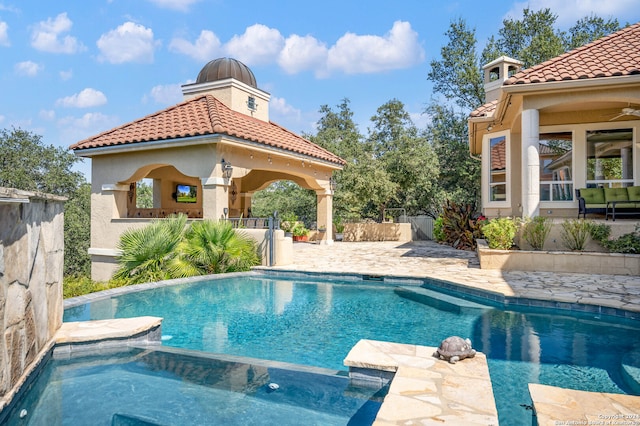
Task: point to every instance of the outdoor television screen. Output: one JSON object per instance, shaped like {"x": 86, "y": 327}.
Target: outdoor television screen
{"x": 186, "y": 193}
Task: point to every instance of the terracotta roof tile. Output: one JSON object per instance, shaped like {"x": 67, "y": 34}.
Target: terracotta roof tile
{"x": 617, "y": 54}
{"x": 484, "y": 110}
{"x": 205, "y": 115}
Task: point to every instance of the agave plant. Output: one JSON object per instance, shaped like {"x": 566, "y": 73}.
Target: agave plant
{"x": 147, "y": 252}
{"x": 214, "y": 247}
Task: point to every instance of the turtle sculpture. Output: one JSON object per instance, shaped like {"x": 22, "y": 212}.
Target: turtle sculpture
{"x": 454, "y": 348}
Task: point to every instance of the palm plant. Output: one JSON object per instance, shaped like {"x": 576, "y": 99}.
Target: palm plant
{"x": 214, "y": 247}
{"x": 147, "y": 252}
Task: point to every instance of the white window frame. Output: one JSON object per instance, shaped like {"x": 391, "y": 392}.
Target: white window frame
{"x": 486, "y": 168}
{"x": 615, "y": 126}
{"x": 560, "y": 203}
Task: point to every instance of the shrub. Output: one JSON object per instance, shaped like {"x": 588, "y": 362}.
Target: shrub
{"x": 575, "y": 233}
{"x": 500, "y": 233}
{"x": 459, "y": 226}
{"x": 627, "y": 243}
{"x": 438, "y": 234}
{"x": 536, "y": 230}
{"x": 600, "y": 232}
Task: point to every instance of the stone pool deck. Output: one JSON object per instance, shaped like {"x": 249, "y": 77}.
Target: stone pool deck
{"x": 425, "y": 390}
{"x": 426, "y": 259}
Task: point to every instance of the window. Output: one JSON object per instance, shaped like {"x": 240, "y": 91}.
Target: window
{"x": 610, "y": 158}
{"x": 498, "y": 169}
{"x": 556, "y": 166}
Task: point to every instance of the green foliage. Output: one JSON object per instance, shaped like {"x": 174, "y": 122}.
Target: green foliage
{"x": 213, "y": 248}
{"x": 144, "y": 194}
{"x": 147, "y": 252}
{"x": 77, "y": 232}
{"x": 500, "y": 232}
{"x": 536, "y": 230}
{"x": 285, "y": 196}
{"x": 78, "y": 285}
{"x": 600, "y": 232}
{"x": 458, "y": 176}
{"x": 589, "y": 29}
{"x": 575, "y": 232}
{"x": 27, "y": 163}
{"x": 438, "y": 233}
{"x": 299, "y": 230}
{"x": 287, "y": 220}
{"x": 459, "y": 226}
{"x": 168, "y": 248}
{"x": 457, "y": 75}
{"x": 627, "y": 243}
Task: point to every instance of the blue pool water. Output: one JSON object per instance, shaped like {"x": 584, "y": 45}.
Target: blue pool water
{"x": 316, "y": 323}
{"x": 140, "y": 387}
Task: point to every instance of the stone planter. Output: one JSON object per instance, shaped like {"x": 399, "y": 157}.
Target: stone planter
{"x": 558, "y": 261}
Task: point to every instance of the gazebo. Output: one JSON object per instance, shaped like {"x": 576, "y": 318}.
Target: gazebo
{"x": 205, "y": 157}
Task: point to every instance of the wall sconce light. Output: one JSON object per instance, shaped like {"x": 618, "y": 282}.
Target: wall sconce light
{"x": 225, "y": 211}
{"x": 227, "y": 169}
{"x": 490, "y": 127}
{"x": 332, "y": 183}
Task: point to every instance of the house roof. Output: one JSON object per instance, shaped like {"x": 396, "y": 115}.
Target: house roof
{"x": 615, "y": 55}
{"x": 205, "y": 115}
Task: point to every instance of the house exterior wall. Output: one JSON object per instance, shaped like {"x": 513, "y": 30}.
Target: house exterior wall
{"x": 560, "y": 110}
{"x": 31, "y": 268}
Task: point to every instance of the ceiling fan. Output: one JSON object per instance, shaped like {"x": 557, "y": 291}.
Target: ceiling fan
{"x": 627, "y": 111}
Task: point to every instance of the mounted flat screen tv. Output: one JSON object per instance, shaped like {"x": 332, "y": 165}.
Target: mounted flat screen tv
{"x": 186, "y": 193}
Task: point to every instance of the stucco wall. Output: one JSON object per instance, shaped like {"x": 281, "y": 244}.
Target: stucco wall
{"x": 377, "y": 232}
{"x": 31, "y": 268}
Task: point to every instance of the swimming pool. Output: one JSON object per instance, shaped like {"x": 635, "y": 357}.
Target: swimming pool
{"x": 317, "y": 321}
{"x": 151, "y": 387}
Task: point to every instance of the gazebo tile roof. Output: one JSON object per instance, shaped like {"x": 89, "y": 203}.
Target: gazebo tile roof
{"x": 206, "y": 115}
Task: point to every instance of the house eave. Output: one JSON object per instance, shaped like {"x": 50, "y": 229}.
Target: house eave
{"x": 587, "y": 83}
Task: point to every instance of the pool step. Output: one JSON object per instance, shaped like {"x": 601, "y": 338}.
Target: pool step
{"x": 631, "y": 369}
{"x": 130, "y": 420}
{"x": 441, "y": 301}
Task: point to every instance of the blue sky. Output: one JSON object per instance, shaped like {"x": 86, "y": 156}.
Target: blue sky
{"x": 71, "y": 69}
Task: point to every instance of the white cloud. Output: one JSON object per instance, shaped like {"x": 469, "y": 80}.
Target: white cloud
{"x": 47, "y": 36}
{"x": 281, "y": 107}
{"x": 28, "y": 68}
{"x": 168, "y": 94}
{"x": 258, "y": 45}
{"x": 356, "y": 54}
{"x": 205, "y": 48}
{"x": 76, "y": 129}
{"x": 181, "y": 5}
{"x": 87, "y": 98}
{"x": 47, "y": 115}
{"x": 303, "y": 53}
{"x": 66, "y": 75}
{"x": 570, "y": 11}
{"x": 129, "y": 42}
{"x": 4, "y": 34}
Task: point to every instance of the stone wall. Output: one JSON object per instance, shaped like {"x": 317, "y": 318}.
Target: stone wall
{"x": 31, "y": 267}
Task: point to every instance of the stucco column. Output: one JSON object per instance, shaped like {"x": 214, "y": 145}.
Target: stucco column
{"x": 530, "y": 163}
{"x": 325, "y": 215}
{"x": 214, "y": 197}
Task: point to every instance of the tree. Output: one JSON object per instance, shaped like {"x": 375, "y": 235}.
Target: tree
{"x": 459, "y": 177}
{"x": 285, "y": 197}
{"x": 77, "y": 232}
{"x": 27, "y": 163}
{"x": 457, "y": 75}
{"x": 407, "y": 159}
{"x": 532, "y": 39}
{"x": 588, "y": 29}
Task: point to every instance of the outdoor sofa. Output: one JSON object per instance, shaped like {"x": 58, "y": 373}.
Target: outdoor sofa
{"x": 610, "y": 201}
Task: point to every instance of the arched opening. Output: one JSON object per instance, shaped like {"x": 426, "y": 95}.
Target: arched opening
{"x": 160, "y": 190}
